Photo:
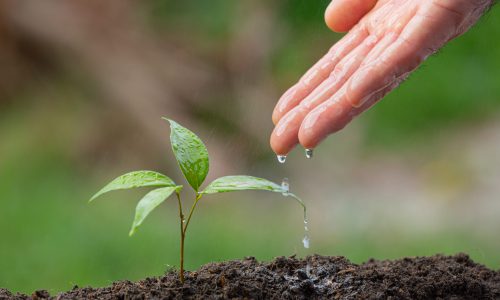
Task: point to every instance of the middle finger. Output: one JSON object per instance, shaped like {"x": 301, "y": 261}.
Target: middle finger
{"x": 285, "y": 134}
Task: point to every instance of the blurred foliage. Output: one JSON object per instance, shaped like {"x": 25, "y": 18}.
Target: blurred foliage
{"x": 458, "y": 85}
{"x": 60, "y": 140}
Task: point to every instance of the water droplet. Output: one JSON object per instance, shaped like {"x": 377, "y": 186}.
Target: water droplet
{"x": 305, "y": 241}
{"x": 281, "y": 158}
{"x": 285, "y": 186}
{"x": 183, "y": 220}
{"x": 309, "y": 153}
{"x": 308, "y": 270}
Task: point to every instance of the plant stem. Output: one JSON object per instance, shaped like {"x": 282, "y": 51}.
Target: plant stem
{"x": 198, "y": 197}
{"x": 181, "y": 216}
{"x": 184, "y": 228}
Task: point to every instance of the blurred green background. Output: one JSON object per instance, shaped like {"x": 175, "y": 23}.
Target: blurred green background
{"x": 83, "y": 85}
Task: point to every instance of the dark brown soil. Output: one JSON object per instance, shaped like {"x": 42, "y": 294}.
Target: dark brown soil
{"x": 316, "y": 277}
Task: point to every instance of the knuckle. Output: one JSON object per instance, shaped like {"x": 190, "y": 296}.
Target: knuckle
{"x": 337, "y": 71}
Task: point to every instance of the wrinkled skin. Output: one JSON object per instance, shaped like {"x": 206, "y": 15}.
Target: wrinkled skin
{"x": 387, "y": 40}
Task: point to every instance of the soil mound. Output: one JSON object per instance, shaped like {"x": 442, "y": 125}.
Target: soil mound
{"x": 315, "y": 277}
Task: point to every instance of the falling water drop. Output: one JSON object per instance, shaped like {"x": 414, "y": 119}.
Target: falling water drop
{"x": 281, "y": 158}
{"x": 309, "y": 153}
{"x": 285, "y": 187}
{"x": 285, "y": 190}
{"x": 305, "y": 240}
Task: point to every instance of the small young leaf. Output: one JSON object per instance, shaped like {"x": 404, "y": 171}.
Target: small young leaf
{"x": 150, "y": 202}
{"x": 136, "y": 179}
{"x": 191, "y": 154}
{"x": 242, "y": 182}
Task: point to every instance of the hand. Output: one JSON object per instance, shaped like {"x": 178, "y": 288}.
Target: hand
{"x": 387, "y": 40}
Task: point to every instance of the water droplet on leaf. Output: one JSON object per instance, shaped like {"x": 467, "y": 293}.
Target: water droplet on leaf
{"x": 285, "y": 186}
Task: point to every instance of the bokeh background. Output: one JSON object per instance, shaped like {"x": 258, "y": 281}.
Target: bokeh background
{"x": 83, "y": 85}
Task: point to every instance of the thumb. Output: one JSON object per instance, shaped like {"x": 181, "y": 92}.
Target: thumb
{"x": 342, "y": 15}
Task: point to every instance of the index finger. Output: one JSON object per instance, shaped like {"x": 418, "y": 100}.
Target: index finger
{"x": 318, "y": 73}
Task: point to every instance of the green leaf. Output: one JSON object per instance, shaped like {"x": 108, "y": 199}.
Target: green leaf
{"x": 191, "y": 154}
{"x": 242, "y": 183}
{"x": 150, "y": 202}
{"x": 136, "y": 179}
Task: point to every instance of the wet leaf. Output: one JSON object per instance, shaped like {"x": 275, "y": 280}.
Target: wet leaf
{"x": 191, "y": 154}
{"x": 242, "y": 183}
{"x": 148, "y": 203}
{"x": 136, "y": 179}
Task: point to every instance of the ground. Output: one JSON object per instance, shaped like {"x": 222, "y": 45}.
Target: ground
{"x": 315, "y": 277}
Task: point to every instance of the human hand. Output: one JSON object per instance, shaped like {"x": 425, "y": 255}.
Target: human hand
{"x": 387, "y": 40}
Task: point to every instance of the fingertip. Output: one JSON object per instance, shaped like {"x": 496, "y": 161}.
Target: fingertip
{"x": 308, "y": 143}
{"x": 284, "y": 136}
{"x": 275, "y": 117}
{"x": 281, "y": 107}
{"x": 276, "y": 144}
{"x": 331, "y": 18}
{"x": 308, "y": 135}
{"x": 307, "y": 139}
{"x": 342, "y": 15}
{"x": 278, "y": 147}
{"x": 324, "y": 120}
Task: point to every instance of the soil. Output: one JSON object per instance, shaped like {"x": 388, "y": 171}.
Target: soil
{"x": 315, "y": 277}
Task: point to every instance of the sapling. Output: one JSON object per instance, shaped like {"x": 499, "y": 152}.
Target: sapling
{"x": 192, "y": 157}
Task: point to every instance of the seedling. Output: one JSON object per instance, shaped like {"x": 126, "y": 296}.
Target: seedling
{"x": 192, "y": 157}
